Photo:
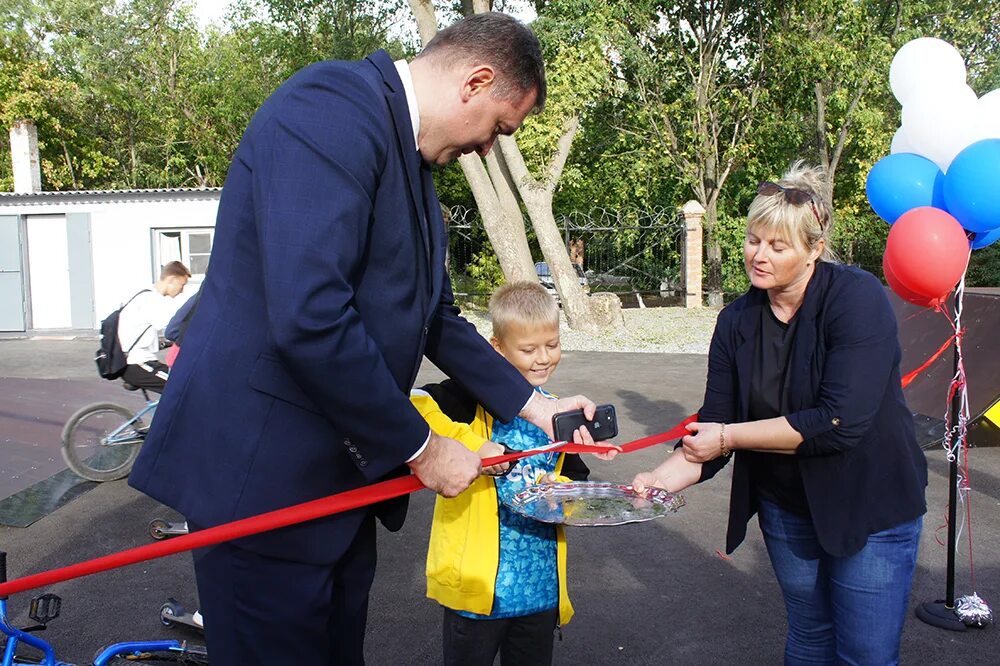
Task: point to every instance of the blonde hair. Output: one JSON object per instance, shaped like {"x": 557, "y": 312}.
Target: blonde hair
{"x": 522, "y": 303}
{"x": 806, "y": 224}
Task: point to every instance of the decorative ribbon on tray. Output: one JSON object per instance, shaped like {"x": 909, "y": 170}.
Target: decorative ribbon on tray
{"x": 299, "y": 513}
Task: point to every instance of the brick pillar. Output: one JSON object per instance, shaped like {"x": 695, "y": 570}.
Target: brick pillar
{"x": 24, "y": 157}
{"x": 691, "y": 266}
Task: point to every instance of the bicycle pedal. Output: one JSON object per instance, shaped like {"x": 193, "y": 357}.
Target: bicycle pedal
{"x": 44, "y": 609}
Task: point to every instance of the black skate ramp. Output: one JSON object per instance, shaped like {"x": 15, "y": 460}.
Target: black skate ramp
{"x": 922, "y": 331}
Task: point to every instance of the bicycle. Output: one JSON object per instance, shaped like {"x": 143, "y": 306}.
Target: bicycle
{"x": 45, "y": 608}
{"x": 101, "y": 441}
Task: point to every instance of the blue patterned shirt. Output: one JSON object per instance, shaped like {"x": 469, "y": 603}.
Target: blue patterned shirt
{"x": 528, "y": 577}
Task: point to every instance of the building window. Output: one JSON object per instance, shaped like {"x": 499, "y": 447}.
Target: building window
{"x": 192, "y": 247}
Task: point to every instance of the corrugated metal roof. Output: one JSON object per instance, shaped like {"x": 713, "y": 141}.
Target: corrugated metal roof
{"x": 78, "y": 193}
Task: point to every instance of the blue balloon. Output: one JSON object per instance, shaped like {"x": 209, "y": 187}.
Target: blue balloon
{"x": 985, "y": 238}
{"x": 972, "y": 186}
{"x": 904, "y": 181}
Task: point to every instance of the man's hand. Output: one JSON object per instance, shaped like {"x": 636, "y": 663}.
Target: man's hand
{"x": 491, "y": 450}
{"x": 540, "y": 411}
{"x": 446, "y": 466}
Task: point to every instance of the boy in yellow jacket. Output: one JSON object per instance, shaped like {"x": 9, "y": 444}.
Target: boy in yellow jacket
{"x": 500, "y": 577}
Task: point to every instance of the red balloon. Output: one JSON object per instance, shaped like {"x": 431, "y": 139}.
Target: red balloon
{"x": 905, "y": 293}
{"x": 928, "y": 251}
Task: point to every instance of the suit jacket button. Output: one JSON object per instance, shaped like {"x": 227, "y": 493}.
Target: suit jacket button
{"x": 347, "y": 441}
{"x": 835, "y": 421}
{"x": 363, "y": 463}
{"x": 352, "y": 449}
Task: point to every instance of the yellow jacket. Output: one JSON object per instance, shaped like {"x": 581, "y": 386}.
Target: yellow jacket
{"x": 464, "y": 551}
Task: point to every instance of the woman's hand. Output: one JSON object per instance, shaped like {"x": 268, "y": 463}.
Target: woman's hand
{"x": 491, "y": 450}
{"x": 645, "y": 480}
{"x": 674, "y": 474}
{"x": 703, "y": 444}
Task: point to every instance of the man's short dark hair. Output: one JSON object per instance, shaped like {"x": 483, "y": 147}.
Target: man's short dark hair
{"x": 502, "y": 42}
{"x": 174, "y": 269}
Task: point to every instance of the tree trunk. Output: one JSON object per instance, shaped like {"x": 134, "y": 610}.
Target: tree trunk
{"x": 537, "y": 197}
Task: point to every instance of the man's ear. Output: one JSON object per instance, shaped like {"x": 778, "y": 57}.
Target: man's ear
{"x": 478, "y": 81}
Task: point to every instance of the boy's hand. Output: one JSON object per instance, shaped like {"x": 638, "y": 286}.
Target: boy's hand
{"x": 446, "y": 466}
{"x": 491, "y": 450}
{"x": 540, "y": 411}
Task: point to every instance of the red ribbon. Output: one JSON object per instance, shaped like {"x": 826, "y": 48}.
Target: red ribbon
{"x": 912, "y": 374}
{"x": 299, "y": 513}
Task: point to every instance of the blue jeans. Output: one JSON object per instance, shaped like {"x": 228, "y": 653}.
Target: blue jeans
{"x": 841, "y": 610}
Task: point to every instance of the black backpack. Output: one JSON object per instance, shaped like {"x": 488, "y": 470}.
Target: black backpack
{"x": 110, "y": 358}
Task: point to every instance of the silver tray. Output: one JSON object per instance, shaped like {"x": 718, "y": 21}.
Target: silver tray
{"x": 588, "y": 504}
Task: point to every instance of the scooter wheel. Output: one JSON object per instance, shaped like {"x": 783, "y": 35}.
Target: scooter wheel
{"x": 157, "y": 527}
{"x": 170, "y": 610}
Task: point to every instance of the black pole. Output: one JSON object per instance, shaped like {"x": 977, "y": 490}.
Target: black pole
{"x": 941, "y": 613}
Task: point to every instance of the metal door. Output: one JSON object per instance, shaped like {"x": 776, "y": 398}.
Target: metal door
{"x": 11, "y": 276}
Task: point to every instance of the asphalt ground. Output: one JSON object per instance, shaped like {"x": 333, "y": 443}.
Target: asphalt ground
{"x": 650, "y": 593}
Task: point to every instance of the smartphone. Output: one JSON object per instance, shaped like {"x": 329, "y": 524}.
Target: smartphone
{"x": 604, "y": 425}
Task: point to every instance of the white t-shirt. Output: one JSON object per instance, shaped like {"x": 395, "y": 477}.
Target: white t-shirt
{"x": 143, "y": 319}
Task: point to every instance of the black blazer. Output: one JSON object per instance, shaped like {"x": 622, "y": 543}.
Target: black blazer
{"x": 861, "y": 466}
{"x": 326, "y": 288}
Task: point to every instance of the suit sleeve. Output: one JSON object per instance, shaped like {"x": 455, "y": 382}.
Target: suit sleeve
{"x": 316, "y": 166}
{"x": 454, "y": 345}
{"x": 861, "y": 352}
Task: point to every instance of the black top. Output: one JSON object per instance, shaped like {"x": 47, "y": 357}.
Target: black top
{"x": 774, "y": 477}
{"x": 861, "y": 467}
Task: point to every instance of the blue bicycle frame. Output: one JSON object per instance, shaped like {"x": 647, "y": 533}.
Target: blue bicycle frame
{"x": 15, "y": 637}
{"x": 111, "y": 438}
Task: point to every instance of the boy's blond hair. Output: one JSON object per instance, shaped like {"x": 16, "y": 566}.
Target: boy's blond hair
{"x": 522, "y": 303}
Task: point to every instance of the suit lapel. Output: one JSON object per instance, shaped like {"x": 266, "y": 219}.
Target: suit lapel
{"x": 395, "y": 96}
{"x": 435, "y": 232}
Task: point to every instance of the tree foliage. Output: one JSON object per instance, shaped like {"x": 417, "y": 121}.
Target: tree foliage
{"x": 673, "y": 100}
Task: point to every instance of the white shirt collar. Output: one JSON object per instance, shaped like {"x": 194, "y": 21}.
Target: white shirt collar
{"x": 411, "y": 97}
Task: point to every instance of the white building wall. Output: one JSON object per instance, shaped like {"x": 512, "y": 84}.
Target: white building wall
{"x": 122, "y": 241}
{"x": 122, "y": 236}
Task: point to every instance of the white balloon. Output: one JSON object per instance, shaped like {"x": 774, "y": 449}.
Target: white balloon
{"x": 900, "y": 143}
{"x": 941, "y": 122}
{"x": 988, "y": 111}
{"x": 926, "y": 63}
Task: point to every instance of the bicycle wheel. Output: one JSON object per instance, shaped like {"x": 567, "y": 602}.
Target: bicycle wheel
{"x": 101, "y": 441}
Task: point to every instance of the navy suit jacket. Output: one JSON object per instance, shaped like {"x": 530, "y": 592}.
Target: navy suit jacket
{"x": 327, "y": 286}
{"x": 861, "y": 466}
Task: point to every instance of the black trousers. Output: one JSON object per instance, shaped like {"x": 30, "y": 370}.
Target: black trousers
{"x": 267, "y": 611}
{"x": 521, "y": 641}
{"x": 151, "y": 375}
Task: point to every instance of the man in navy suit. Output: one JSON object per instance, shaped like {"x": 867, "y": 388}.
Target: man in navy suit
{"x": 327, "y": 287}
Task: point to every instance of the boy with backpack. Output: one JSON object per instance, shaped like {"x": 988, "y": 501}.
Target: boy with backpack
{"x": 140, "y": 322}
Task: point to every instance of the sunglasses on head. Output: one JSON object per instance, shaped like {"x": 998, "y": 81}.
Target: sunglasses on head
{"x": 793, "y": 195}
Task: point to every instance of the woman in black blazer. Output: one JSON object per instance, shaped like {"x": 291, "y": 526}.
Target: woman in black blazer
{"x": 804, "y": 386}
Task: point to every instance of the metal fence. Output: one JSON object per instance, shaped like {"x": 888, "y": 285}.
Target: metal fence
{"x": 627, "y": 251}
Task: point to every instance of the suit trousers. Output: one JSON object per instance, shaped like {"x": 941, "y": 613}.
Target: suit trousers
{"x": 267, "y": 611}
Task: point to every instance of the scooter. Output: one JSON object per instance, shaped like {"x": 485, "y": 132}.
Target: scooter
{"x": 161, "y": 529}
{"x": 173, "y": 614}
